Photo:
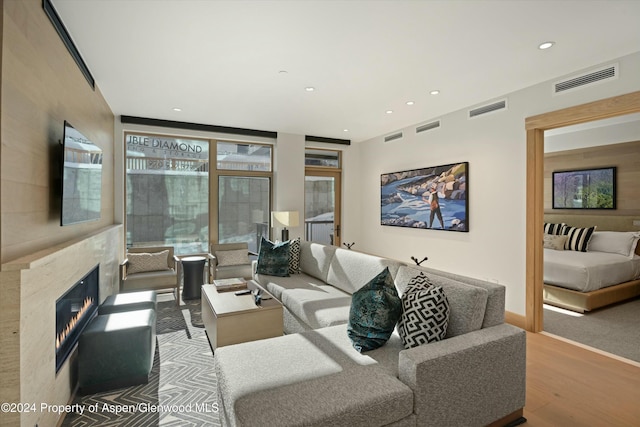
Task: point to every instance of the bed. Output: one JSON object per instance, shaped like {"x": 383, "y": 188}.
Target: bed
{"x": 606, "y": 273}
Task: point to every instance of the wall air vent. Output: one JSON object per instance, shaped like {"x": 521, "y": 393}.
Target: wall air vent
{"x": 393, "y": 137}
{"x": 428, "y": 126}
{"x": 489, "y": 108}
{"x": 610, "y": 72}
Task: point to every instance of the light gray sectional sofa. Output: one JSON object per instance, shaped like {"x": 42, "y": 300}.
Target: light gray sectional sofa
{"x": 313, "y": 376}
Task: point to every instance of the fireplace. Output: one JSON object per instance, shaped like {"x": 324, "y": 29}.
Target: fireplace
{"x": 74, "y": 311}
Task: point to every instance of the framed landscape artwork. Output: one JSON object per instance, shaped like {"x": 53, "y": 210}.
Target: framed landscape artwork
{"x": 584, "y": 189}
{"x": 434, "y": 197}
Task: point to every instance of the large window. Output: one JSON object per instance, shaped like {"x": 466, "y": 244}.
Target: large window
{"x": 167, "y": 187}
{"x": 244, "y": 192}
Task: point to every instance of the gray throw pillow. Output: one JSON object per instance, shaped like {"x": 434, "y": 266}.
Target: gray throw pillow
{"x": 375, "y": 310}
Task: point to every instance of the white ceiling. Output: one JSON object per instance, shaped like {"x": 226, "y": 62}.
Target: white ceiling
{"x": 220, "y": 61}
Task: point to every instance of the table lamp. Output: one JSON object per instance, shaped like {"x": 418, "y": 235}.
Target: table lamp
{"x": 284, "y": 219}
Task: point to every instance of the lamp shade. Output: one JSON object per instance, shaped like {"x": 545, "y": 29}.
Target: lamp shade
{"x": 285, "y": 218}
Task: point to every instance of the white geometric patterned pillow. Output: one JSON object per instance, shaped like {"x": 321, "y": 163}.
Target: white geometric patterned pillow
{"x": 294, "y": 258}
{"x": 425, "y": 313}
{"x": 140, "y": 262}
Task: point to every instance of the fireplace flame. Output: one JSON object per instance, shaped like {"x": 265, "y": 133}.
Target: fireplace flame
{"x": 73, "y": 322}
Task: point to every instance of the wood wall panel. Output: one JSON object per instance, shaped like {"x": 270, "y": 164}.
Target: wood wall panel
{"x": 41, "y": 87}
{"x": 625, "y": 156}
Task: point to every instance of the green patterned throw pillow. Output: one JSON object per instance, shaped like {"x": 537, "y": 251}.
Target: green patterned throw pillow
{"x": 375, "y": 310}
{"x": 273, "y": 258}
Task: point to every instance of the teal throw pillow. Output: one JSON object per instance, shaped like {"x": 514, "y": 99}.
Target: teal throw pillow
{"x": 375, "y": 310}
{"x": 273, "y": 258}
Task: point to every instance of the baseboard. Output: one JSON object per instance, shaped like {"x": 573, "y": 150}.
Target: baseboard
{"x": 515, "y": 319}
{"x": 513, "y": 419}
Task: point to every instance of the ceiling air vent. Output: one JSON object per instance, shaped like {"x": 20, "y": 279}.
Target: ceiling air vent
{"x": 489, "y": 108}
{"x": 428, "y": 126}
{"x": 393, "y": 137}
{"x": 603, "y": 74}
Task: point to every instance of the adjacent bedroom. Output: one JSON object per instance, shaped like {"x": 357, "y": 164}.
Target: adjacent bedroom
{"x": 591, "y": 232}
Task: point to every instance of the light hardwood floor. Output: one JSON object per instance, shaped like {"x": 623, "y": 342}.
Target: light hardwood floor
{"x": 572, "y": 386}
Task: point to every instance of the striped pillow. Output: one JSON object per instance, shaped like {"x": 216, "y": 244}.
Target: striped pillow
{"x": 555, "y": 229}
{"x": 578, "y": 238}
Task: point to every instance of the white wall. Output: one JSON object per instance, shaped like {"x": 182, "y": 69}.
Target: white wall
{"x": 593, "y": 134}
{"x": 288, "y": 178}
{"x": 494, "y": 146}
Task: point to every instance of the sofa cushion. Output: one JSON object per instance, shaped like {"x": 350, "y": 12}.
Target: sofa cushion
{"x": 494, "y": 312}
{"x": 375, "y": 311}
{"x": 311, "y": 300}
{"x": 273, "y": 258}
{"x": 467, "y": 303}
{"x": 294, "y": 256}
{"x": 142, "y": 262}
{"x": 315, "y": 259}
{"x": 350, "y": 270}
{"x": 324, "y": 355}
{"x": 425, "y": 313}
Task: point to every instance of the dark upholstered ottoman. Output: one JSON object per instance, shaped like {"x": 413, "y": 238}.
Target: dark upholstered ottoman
{"x": 128, "y": 301}
{"x": 116, "y": 350}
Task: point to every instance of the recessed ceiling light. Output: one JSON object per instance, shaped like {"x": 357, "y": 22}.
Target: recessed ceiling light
{"x": 309, "y": 88}
{"x": 546, "y": 45}
{"x": 177, "y": 109}
{"x": 389, "y": 111}
{"x": 282, "y": 72}
{"x": 410, "y": 102}
{"x": 345, "y": 130}
{"x": 434, "y": 92}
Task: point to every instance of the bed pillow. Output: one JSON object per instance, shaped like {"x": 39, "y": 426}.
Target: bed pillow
{"x": 551, "y": 241}
{"x": 554, "y": 229}
{"x": 578, "y": 238}
{"x": 614, "y": 242}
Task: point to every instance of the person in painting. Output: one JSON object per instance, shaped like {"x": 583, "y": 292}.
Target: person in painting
{"x": 434, "y": 203}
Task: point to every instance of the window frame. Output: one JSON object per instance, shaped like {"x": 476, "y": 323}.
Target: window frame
{"x": 215, "y": 174}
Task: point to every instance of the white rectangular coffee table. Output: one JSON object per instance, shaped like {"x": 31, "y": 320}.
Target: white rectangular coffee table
{"x": 232, "y": 319}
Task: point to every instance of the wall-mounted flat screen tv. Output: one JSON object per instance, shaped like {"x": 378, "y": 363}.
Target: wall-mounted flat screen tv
{"x": 81, "y": 178}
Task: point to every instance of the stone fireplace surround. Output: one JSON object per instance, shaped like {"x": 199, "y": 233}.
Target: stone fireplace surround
{"x": 29, "y": 288}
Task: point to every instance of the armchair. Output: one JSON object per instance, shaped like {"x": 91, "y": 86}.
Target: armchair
{"x": 230, "y": 260}
{"x": 149, "y": 268}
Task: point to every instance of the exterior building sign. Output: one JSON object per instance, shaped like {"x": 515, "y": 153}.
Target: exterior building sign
{"x": 163, "y": 147}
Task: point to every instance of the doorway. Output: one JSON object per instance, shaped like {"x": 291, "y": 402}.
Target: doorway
{"x": 535, "y": 127}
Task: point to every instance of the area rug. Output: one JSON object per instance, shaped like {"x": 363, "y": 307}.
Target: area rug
{"x": 614, "y": 329}
{"x": 182, "y": 387}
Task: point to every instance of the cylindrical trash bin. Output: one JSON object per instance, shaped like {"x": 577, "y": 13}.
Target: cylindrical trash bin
{"x": 193, "y": 268}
